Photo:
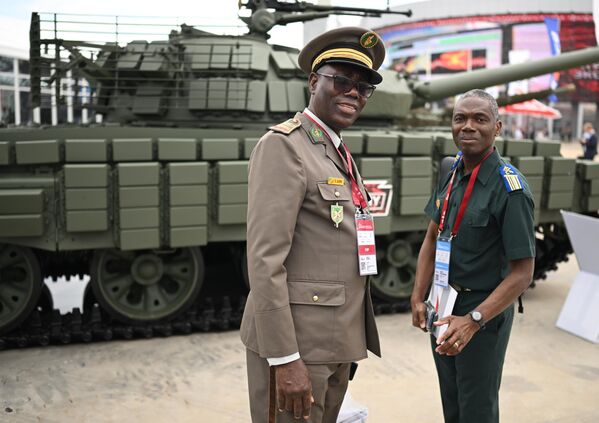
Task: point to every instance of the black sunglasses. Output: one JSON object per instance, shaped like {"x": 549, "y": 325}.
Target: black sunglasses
{"x": 344, "y": 84}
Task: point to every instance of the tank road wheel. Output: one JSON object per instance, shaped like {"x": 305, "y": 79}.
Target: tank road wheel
{"x": 397, "y": 269}
{"x": 145, "y": 286}
{"x": 393, "y": 283}
{"x": 20, "y": 285}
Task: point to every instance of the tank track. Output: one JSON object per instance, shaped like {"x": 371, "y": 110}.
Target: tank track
{"x": 550, "y": 261}
{"x": 552, "y": 248}
{"x": 46, "y": 328}
{"x": 211, "y": 315}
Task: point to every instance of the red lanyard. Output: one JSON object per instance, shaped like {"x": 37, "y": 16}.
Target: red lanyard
{"x": 356, "y": 194}
{"x": 465, "y": 199}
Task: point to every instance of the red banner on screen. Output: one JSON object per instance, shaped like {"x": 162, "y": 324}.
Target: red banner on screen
{"x": 574, "y": 36}
{"x": 458, "y": 61}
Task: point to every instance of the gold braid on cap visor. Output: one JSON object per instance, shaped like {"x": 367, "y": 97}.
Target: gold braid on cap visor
{"x": 343, "y": 53}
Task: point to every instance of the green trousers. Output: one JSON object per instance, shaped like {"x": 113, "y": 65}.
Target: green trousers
{"x": 470, "y": 381}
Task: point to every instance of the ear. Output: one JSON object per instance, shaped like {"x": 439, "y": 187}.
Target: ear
{"x": 498, "y": 126}
{"x": 312, "y": 82}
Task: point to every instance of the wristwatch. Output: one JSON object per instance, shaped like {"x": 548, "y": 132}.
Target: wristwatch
{"x": 477, "y": 317}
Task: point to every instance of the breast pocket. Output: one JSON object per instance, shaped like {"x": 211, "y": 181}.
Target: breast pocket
{"x": 474, "y": 229}
{"x": 333, "y": 192}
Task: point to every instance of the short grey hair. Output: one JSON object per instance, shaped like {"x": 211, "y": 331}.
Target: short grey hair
{"x": 482, "y": 94}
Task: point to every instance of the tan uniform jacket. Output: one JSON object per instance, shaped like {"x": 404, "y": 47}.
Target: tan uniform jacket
{"x": 306, "y": 292}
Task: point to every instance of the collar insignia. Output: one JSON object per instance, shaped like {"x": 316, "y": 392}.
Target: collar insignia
{"x": 316, "y": 134}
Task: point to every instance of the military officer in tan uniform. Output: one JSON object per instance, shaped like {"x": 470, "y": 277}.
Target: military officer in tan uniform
{"x": 309, "y": 312}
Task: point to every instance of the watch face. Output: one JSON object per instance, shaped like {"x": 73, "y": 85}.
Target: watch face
{"x": 476, "y": 316}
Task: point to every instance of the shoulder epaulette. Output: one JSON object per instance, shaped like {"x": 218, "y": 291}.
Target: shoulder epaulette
{"x": 286, "y": 127}
{"x": 456, "y": 160}
{"x": 511, "y": 177}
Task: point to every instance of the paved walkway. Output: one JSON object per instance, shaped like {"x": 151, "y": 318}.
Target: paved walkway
{"x": 550, "y": 375}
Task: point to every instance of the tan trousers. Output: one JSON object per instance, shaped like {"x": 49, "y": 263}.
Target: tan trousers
{"x": 329, "y": 383}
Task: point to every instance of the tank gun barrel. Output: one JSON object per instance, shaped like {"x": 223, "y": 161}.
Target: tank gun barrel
{"x": 302, "y": 6}
{"x": 457, "y": 84}
{"x": 306, "y": 16}
{"x": 263, "y": 20}
{"x": 519, "y": 98}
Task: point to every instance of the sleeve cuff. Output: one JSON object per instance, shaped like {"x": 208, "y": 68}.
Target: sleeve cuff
{"x": 520, "y": 253}
{"x": 277, "y": 361}
{"x": 275, "y": 332}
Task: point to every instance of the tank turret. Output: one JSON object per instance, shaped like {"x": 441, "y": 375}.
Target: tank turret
{"x": 192, "y": 77}
{"x": 143, "y": 185}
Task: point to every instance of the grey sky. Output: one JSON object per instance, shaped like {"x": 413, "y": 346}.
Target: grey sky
{"x": 16, "y": 14}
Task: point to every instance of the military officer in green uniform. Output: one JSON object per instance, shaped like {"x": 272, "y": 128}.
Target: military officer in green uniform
{"x": 490, "y": 236}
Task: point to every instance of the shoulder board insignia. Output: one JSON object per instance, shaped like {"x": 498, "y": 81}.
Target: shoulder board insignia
{"x": 511, "y": 178}
{"x": 286, "y": 127}
{"x": 456, "y": 160}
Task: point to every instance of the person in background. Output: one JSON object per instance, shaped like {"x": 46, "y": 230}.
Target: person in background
{"x": 518, "y": 135}
{"x": 588, "y": 142}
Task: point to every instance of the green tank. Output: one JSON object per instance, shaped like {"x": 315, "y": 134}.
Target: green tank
{"x": 151, "y": 203}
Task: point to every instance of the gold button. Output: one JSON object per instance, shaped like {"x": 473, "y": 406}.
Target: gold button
{"x": 337, "y": 194}
{"x": 315, "y": 298}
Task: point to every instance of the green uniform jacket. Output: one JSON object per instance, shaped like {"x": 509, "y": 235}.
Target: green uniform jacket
{"x": 498, "y": 225}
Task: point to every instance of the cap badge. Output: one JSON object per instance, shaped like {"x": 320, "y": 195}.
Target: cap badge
{"x": 369, "y": 39}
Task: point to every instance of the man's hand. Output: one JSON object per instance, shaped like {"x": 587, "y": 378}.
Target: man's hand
{"x": 460, "y": 331}
{"x": 294, "y": 389}
{"x": 419, "y": 315}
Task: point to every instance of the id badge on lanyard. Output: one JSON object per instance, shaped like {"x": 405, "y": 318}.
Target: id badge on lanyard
{"x": 366, "y": 246}
{"x": 442, "y": 256}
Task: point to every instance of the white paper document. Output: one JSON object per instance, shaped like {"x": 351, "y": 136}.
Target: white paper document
{"x": 443, "y": 300}
{"x": 580, "y": 313}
